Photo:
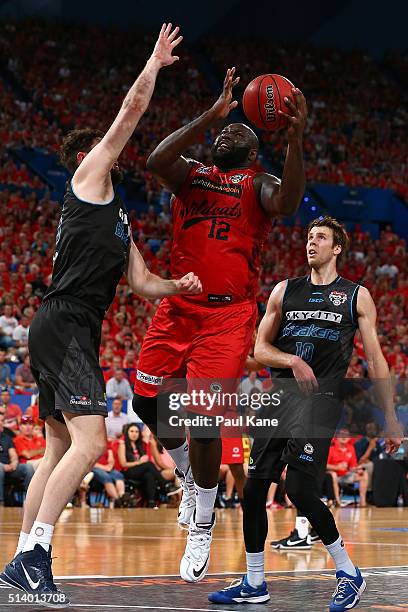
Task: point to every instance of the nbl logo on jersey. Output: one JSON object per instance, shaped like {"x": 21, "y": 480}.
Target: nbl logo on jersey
{"x": 338, "y": 297}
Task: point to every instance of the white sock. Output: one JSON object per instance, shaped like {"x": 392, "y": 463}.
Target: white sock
{"x": 255, "y": 568}
{"x": 339, "y": 554}
{"x": 302, "y": 526}
{"x": 41, "y": 533}
{"x": 180, "y": 456}
{"x": 205, "y": 500}
{"x": 21, "y": 542}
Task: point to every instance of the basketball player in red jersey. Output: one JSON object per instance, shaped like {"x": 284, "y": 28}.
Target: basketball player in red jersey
{"x": 221, "y": 216}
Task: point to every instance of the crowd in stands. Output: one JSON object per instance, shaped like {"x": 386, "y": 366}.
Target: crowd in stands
{"x": 345, "y": 144}
{"x": 42, "y": 99}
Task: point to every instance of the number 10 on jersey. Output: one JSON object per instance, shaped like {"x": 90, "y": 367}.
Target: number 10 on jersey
{"x": 305, "y": 351}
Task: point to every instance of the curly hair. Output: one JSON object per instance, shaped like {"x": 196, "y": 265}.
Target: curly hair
{"x": 340, "y": 236}
{"x": 75, "y": 141}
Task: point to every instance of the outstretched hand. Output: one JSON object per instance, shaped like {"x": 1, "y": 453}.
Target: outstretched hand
{"x": 298, "y": 116}
{"x": 224, "y": 105}
{"x": 167, "y": 41}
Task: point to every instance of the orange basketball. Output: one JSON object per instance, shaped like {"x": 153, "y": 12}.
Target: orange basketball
{"x": 262, "y": 99}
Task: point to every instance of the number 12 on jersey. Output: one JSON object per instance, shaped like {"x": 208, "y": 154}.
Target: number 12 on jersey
{"x": 305, "y": 351}
{"x": 219, "y": 230}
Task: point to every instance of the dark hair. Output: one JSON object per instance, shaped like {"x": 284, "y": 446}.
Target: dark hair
{"x": 128, "y": 446}
{"x": 340, "y": 236}
{"x": 75, "y": 141}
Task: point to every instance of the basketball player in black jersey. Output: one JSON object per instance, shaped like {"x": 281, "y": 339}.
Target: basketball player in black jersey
{"x": 93, "y": 247}
{"x": 306, "y": 338}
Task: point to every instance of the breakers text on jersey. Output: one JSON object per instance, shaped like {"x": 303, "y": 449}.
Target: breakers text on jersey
{"x": 313, "y": 331}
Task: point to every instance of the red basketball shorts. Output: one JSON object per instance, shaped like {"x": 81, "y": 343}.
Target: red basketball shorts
{"x": 232, "y": 451}
{"x": 202, "y": 344}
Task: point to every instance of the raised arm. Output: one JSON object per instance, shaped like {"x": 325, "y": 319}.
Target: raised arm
{"x": 270, "y": 355}
{"x": 284, "y": 197}
{"x": 166, "y": 162}
{"x": 92, "y": 178}
{"x": 378, "y": 370}
{"x": 148, "y": 285}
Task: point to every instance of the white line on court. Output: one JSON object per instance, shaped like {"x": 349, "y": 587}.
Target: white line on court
{"x": 129, "y": 607}
{"x": 271, "y": 573}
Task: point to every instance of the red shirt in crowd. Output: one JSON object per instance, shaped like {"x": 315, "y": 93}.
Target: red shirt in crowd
{"x": 23, "y": 443}
{"x": 342, "y": 454}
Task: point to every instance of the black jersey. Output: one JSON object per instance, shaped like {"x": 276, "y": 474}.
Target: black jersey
{"x": 91, "y": 250}
{"x": 318, "y": 324}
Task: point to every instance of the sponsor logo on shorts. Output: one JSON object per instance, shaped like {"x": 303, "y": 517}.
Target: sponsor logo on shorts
{"x": 216, "y": 387}
{"x": 309, "y": 449}
{"x": 322, "y": 315}
{"x": 149, "y": 378}
{"x": 80, "y": 400}
{"x": 306, "y": 458}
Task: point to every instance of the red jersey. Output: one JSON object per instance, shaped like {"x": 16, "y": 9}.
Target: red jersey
{"x": 342, "y": 454}
{"x": 219, "y": 231}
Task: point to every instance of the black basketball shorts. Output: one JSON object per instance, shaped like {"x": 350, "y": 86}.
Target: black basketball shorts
{"x": 63, "y": 343}
{"x": 302, "y": 439}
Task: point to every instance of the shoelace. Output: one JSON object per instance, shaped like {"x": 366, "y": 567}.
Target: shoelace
{"x": 342, "y": 585}
{"x": 199, "y": 539}
{"x": 234, "y": 584}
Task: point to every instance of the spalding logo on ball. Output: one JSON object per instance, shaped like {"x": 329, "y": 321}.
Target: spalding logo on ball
{"x": 264, "y": 97}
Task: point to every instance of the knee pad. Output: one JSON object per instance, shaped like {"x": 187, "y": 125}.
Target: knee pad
{"x": 146, "y": 410}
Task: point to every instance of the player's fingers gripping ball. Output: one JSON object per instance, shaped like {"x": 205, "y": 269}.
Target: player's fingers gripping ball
{"x": 264, "y": 97}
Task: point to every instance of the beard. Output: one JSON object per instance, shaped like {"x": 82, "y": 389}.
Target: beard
{"x": 231, "y": 158}
{"x": 116, "y": 176}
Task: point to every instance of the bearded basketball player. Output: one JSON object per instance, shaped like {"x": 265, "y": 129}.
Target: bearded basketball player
{"x": 221, "y": 215}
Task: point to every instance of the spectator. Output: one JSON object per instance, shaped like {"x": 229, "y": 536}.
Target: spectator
{"x": 116, "y": 420}
{"x": 5, "y": 371}
{"x": 136, "y": 466}
{"x": 112, "y": 480}
{"x": 10, "y": 469}
{"x": 8, "y": 323}
{"x": 30, "y": 449}
{"x": 251, "y": 382}
{"x": 342, "y": 466}
{"x": 118, "y": 386}
{"x": 24, "y": 378}
{"x": 368, "y": 449}
{"x": 13, "y": 412}
{"x": 20, "y": 335}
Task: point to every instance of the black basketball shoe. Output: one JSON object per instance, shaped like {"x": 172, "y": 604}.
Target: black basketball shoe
{"x": 31, "y": 572}
{"x": 293, "y": 542}
{"x": 314, "y": 536}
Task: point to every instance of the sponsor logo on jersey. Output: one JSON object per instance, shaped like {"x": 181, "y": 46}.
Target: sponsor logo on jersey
{"x": 338, "y": 297}
{"x": 238, "y": 178}
{"x": 102, "y": 404}
{"x": 203, "y": 170}
{"x": 312, "y": 331}
{"x": 80, "y": 400}
{"x": 122, "y": 230}
{"x": 149, "y": 378}
{"x": 308, "y": 448}
{"x": 207, "y": 184}
{"x": 306, "y": 458}
{"x": 316, "y": 300}
{"x": 302, "y": 315}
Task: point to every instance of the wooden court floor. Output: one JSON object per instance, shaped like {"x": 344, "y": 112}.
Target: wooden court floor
{"x": 93, "y": 544}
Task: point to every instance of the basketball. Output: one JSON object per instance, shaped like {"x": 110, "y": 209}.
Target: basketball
{"x": 264, "y": 97}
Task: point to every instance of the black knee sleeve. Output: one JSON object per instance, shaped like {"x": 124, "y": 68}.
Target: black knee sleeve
{"x": 302, "y": 490}
{"x": 146, "y": 410}
{"x": 255, "y": 518}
